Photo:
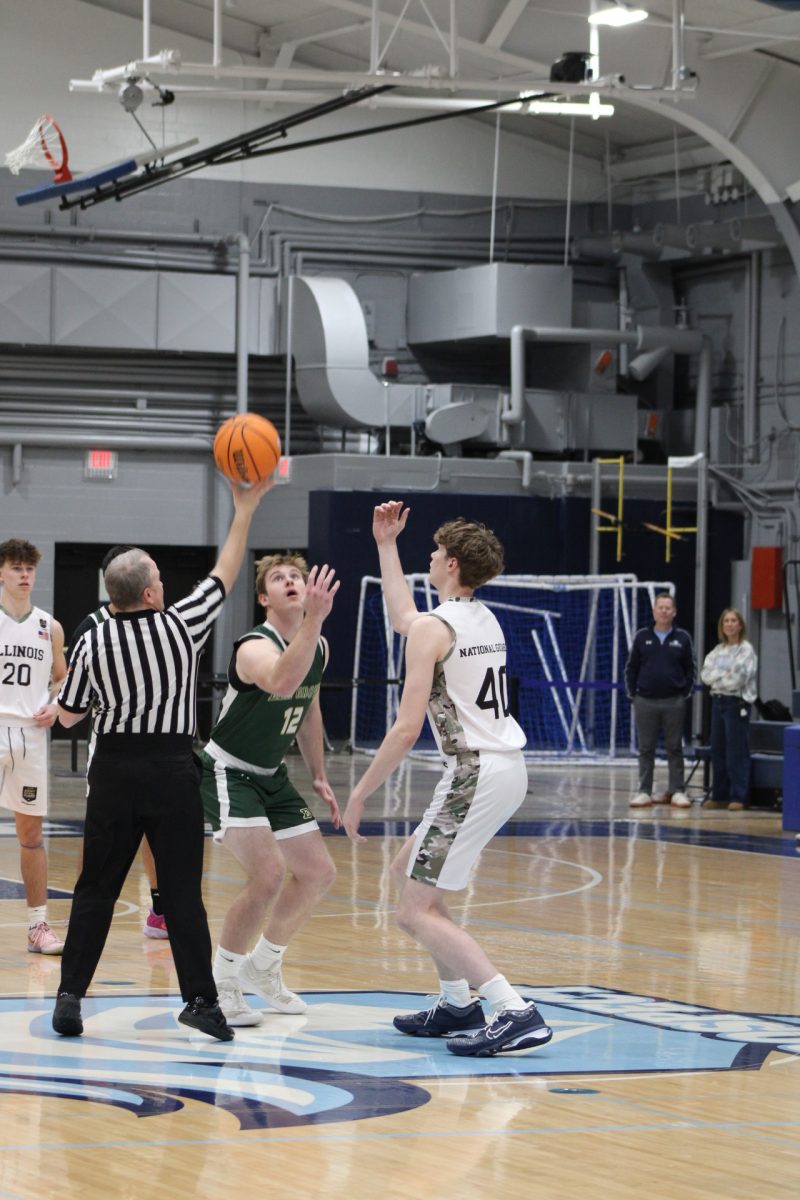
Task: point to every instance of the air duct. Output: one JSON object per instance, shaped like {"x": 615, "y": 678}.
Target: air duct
{"x": 640, "y": 242}
{"x": 331, "y": 356}
{"x": 644, "y": 338}
{"x": 709, "y": 237}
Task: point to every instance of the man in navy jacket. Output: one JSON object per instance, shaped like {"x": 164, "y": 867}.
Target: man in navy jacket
{"x": 659, "y": 677}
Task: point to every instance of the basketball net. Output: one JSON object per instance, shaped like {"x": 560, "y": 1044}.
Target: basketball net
{"x": 45, "y": 143}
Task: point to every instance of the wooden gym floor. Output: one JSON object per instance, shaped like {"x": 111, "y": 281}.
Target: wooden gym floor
{"x": 663, "y": 948}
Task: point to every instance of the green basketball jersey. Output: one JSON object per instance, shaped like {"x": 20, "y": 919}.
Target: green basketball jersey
{"x": 255, "y": 727}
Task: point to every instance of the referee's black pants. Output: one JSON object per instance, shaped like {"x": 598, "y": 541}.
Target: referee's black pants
{"x": 142, "y": 784}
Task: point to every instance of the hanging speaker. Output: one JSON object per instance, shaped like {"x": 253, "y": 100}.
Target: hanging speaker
{"x": 572, "y": 67}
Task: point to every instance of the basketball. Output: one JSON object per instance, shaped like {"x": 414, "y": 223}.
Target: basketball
{"x": 247, "y": 448}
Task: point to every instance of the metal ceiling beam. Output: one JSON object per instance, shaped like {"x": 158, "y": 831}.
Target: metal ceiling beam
{"x": 167, "y": 63}
{"x": 464, "y": 45}
{"x": 767, "y": 33}
{"x": 747, "y": 99}
{"x": 664, "y": 164}
{"x": 505, "y": 23}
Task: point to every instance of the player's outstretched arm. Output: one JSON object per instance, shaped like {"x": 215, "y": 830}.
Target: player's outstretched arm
{"x": 428, "y": 642}
{"x": 388, "y": 521}
{"x": 245, "y": 503}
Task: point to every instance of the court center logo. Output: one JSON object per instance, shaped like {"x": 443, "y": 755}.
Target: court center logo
{"x": 342, "y": 1060}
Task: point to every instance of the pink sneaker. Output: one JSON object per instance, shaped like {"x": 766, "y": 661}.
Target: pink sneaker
{"x": 42, "y": 940}
{"x": 155, "y": 926}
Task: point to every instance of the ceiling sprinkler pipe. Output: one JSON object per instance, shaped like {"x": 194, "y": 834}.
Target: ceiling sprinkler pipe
{"x": 680, "y": 341}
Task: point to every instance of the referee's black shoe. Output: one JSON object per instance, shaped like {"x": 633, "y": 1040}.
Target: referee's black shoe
{"x": 208, "y": 1018}
{"x": 67, "y": 1015}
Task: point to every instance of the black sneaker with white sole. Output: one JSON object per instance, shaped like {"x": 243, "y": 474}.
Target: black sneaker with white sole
{"x": 442, "y": 1020}
{"x": 510, "y": 1029}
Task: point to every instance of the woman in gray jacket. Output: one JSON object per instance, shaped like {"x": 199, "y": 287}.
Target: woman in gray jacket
{"x": 729, "y": 671}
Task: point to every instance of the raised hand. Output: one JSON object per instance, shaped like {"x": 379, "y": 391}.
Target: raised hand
{"x": 389, "y": 520}
{"x": 321, "y": 587}
{"x": 249, "y": 498}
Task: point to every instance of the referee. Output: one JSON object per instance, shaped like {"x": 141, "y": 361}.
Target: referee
{"x": 138, "y": 670}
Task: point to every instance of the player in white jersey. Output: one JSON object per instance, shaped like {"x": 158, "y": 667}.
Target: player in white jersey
{"x": 32, "y": 667}
{"x": 456, "y": 670}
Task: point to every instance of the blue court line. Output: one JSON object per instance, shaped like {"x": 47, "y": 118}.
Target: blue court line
{"x": 561, "y": 828}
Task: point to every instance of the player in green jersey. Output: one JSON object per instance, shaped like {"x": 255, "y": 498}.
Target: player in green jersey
{"x": 253, "y": 808}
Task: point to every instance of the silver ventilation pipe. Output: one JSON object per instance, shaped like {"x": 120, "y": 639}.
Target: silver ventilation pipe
{"x": 242, "y": 322}
{"x": 193, "y": 443}
{"x": 645, "y": 338}
{"x": 702, "y": 419}
{"x": 680, "y": 73}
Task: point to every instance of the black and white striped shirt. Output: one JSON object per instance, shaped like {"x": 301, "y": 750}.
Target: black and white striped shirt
{"x": 139, "y": 669}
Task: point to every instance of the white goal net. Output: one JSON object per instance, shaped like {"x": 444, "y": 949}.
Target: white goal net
{"x": 568, "y": 638}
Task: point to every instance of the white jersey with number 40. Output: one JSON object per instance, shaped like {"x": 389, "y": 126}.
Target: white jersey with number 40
{"x": 468, "y": 707}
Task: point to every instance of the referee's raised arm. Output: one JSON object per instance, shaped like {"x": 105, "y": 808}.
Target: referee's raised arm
{"x": 245, "y": 503}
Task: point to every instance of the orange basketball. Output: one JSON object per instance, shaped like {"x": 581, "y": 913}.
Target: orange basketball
{"x": 247, "y": 448}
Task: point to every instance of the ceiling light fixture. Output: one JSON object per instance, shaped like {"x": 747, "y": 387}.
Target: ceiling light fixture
{"x": 617, "y": 14}
{"x": 571, "y": 108}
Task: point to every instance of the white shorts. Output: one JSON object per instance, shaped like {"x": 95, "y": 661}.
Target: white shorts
{"x": 23, "y": 769}
{"x": 475, "y": 797}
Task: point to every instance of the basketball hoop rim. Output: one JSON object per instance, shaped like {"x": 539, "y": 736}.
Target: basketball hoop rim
{"x": 61, "y": 171}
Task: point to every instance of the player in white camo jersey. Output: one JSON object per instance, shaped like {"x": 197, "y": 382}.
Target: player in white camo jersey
{"x": 456, "y": 671}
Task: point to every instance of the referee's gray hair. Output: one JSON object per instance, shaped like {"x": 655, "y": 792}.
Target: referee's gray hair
{"x": 126, "y": 577}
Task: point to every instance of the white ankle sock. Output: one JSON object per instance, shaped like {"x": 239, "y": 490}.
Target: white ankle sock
{"x": 37, "y": 915}
{"x": 226, "y": 964}
{"x": 456, "y": 992}
{"x": 499, "y": 994}
{"x": 266, "y": 954}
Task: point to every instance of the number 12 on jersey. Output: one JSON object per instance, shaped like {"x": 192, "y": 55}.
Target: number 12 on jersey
{"x": 493, "y": 695}
{"x": 291, "y": 720}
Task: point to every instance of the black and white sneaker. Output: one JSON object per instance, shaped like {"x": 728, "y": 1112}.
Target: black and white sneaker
{"x": 208, "y": 1018}
{"x": 442, "y": 1020}
{"x": 509, "y": 1029}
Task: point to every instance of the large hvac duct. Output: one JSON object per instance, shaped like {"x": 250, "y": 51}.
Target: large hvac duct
{"x": 331, "y": 355}
{"x": 645, "y": 338}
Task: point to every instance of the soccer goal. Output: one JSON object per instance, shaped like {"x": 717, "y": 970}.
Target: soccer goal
{"x": 568, "y": 638}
